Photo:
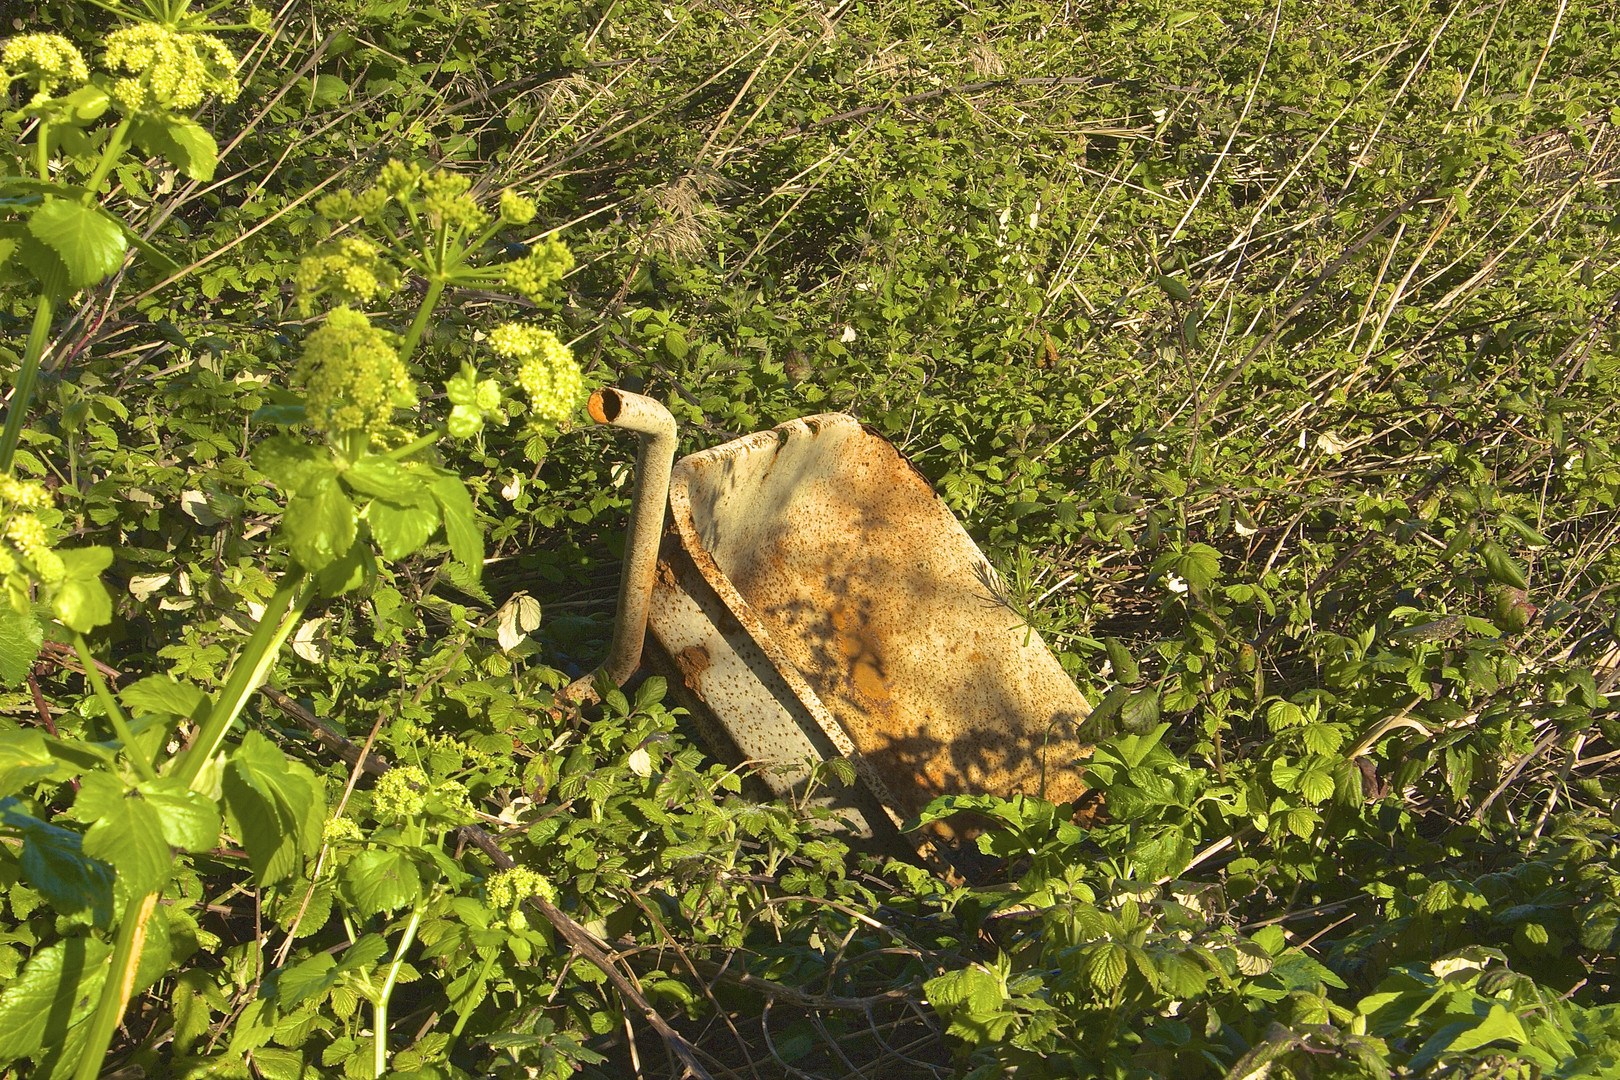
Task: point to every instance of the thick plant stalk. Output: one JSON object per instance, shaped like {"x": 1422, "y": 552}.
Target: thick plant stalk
{"x": 115, "y": 992}
{"x": 23, "y": 394}
{"x": 381, "y": 1025}
{"x": 280, "y": 618}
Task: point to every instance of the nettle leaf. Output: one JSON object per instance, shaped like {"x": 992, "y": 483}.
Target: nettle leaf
{"x": 53, "y": 863}
{"x": 58, "y": 988}
{"x": 88, "y": 241}
{"x": 320, "y": 522}
{"x": 190, "y": 820}
{"x": 20, "y": 639}
{"x": 81, "y": 601}
{"x": 379, "y": 880}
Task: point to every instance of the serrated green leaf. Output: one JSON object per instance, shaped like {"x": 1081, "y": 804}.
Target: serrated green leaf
{"x": 460, "y": 522}
{"x": 1173, "y": 287}
{"x": 20, "y": 639}
{"x": 165, "y": 696}
{"x": 386, "y": 479}
{"x": 275, "y": 806}
{"x": 54, "y": 864}
{"x": 1501, "y": 566}
{"x": 58, "y": 988}
{"x": 290, "y": 463}
{"x": 88, "y": 242}
{"x": 190, "y": 820}
{"x": 81, "y": 601}
{"x": 402, "y": 529}
{"x": 380, "y": 880}
{"x": 320, "y": 523}
{"x": 1106, "y": 965}
{"x": 127, "y": 834}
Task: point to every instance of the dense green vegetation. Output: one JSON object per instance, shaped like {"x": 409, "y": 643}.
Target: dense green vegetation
{"x": 1268, "y": 349}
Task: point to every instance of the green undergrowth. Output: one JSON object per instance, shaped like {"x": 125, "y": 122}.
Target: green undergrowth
{"x": 1269, "y": 351}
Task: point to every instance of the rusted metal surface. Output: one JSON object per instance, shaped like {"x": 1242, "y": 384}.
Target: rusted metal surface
{"x": 650, "y": 420}
{"x": 821, "y": 599}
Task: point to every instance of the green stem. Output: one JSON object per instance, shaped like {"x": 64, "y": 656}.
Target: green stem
{"x": 113, "y": 150}
{"x": 42, "y": 147}
{"x": 126, "y": 958}
{"x": 280, "y": 617}
{"x": 381, "y": 1026}
{"x": 419, "y": 324}
{"x": 120, "y": 722}
{"x": 402, "y": 452}
{"x": 23, "y": 394}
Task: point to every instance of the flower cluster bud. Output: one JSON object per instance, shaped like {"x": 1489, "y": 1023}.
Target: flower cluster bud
{"x": 515, "y": 209}
{"x": 353, "y": 379}
{"x": 401, "y": 793}
{"x": 352, "y": 272}
{"x": 168, "y": 68}
{"x": 546, "y": 369}
{"x": 25, "y": 542}
{"x": 540, "y": 269}
{"x": 445, "y": 198}
{"x": 340, "y": 829}
{"x": 508, "y": 889}
{"x": 472, "y": 401}
{"x": 46, "y": 60}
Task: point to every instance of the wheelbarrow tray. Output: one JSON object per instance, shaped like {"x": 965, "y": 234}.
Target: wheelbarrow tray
{"x": 820, "y": 600}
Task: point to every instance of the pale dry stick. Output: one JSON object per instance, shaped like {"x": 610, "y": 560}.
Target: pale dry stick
{"x": 1491, "y": 264}
{"x": 1563, "y": 779}
{"x": 1245, "y": 235}
{"x": 1058, "y": 288}
{"x": 1248, "y": 103}
{"x": 1513, "y": 774}
{"x": 1551, "y": 37}
{"x": 1479, "y": 58}
{"x": 1360, "y": 158}
{"x": 799, "y": 201}
{"x": 1378, "y": 281}
{"x": 809, "y": 51}
{"x": 736, "y": 100}
{"x": 1400, "y": 289}
{"x": 1384, "y": 727}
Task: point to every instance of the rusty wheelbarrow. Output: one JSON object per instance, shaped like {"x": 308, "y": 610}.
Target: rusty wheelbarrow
{"x": 816, "y": 599}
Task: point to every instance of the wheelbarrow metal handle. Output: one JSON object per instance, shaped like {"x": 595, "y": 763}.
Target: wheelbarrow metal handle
{"x": 656, "y": 426}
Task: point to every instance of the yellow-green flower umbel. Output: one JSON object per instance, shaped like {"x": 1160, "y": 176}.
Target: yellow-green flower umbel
{"x": 546, "y": 369}
{"x": 352, "y": 377}
{"x": 46, "y": 60}
{"x": 168, "y": 69}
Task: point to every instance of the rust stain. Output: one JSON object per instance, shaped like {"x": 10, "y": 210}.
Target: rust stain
{"x": 693, "y": 662}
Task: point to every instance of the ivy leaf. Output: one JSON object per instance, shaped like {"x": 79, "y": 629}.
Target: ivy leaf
{"x": 56, "y": 990}
{"x": 81, "y": 601}
{"x": 89, "y": 243}
{"x": 20, "y": 639}
{"x": 320, "y": 522}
